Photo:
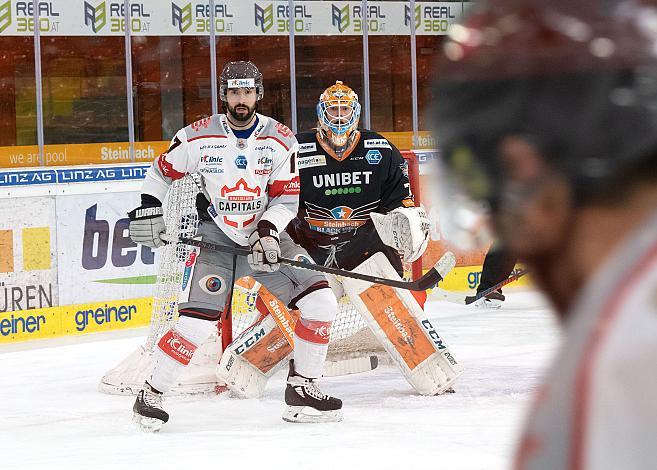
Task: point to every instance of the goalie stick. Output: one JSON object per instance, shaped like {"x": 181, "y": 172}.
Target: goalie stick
{"x": 464, "y": 299}
{"x": 429, "y": 280}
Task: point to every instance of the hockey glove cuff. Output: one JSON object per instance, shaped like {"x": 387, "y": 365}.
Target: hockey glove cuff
{"x": 147, "y": 222}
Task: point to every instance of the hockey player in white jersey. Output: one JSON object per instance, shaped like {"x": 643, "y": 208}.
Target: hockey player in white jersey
{"x": 547, "y": 113}
{"x": 247, "y": 164}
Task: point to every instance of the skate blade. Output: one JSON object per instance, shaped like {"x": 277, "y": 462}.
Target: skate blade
{"x": 488, "y": 304}
{"x": 302, "y": 414}
{"x": 147, "y": 424}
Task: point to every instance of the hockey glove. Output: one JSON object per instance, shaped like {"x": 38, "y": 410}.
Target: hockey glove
{"x": 265, "y": 248}
{"x": 147, "y": 223}
{"x": 406, "y": 229}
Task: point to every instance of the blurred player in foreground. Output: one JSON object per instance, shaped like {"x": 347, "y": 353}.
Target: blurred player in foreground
{"x": 547, "y": 112}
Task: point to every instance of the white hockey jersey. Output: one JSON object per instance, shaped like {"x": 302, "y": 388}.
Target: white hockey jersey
{"x": 598, "y": 407}
{"x": 245, "y": 179}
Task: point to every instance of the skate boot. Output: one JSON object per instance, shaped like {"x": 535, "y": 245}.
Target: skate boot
{"x": 148, "y": 412}
{"x": 491, "y": 301}
{"x": 306, "y": 403}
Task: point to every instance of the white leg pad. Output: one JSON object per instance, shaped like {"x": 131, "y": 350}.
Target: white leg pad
{"x": 253, "y": 357}
{"x": 400, "y": 324}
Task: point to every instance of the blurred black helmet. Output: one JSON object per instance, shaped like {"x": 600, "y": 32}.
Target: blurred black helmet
{"x": 579, "y": 77}
{"x": 240, "y": 74}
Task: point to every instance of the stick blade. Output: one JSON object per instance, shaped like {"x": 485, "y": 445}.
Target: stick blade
{"x": 354, "y": 365}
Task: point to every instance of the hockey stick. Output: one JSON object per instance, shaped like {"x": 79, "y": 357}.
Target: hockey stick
{"x": 429, "y": 280}
{"x": 467, "y": 299}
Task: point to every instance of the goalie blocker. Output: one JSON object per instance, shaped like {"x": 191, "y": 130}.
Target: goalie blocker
{"x": 393, "y": 315}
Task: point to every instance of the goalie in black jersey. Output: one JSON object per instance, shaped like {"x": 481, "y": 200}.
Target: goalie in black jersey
{"x": 356, "y": 198}
{"x": 356, "y": 212}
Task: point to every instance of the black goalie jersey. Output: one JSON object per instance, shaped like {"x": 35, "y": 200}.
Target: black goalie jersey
{"x": 336, "y": 198}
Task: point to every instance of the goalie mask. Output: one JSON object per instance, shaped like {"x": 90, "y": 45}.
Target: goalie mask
{"x": 338, "y": 113}
{"x": 240, "y": 74}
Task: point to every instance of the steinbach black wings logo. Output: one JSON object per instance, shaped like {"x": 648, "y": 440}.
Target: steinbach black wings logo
{"x": 339, "y": 219}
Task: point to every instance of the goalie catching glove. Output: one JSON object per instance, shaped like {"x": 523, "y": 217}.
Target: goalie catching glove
{"x": 265, "y": 248}
{"x": 147, "y": 222}
{"x": 406, "y": 229}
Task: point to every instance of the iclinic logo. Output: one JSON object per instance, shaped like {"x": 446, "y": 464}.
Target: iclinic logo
{"x": 340, "y": 17}
{"x": 407, "y": 16}
{"x": 5, "y": 15}
{"x": 264, "y": 17}
{"x": 96, "y": 17}
{"x": 181, "y": 17}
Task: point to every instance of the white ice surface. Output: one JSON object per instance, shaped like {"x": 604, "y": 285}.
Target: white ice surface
{"x": 52, "y": 417}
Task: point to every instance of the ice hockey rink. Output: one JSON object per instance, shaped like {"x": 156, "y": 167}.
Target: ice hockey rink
{"x": 52, "y": 416}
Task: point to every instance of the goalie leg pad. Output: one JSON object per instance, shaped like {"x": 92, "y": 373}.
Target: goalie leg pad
{"x": 253, "y": 357}
{"x": 175, "y": 350}
{"x": 400, "y": 324}
{"x": 311, "y": 333}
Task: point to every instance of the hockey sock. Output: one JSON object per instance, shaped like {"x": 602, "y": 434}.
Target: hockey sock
{"x": 175, "y": 350}
{"x": 311, "y": 333}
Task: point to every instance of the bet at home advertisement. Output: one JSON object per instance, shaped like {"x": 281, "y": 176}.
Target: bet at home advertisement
{"x": 97, "y": 259}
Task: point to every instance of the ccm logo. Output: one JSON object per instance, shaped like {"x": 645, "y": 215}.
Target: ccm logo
{"x": 433, "y": 334}
{"x": 250, "y": 341}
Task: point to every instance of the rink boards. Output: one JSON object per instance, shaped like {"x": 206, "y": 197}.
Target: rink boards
{"x": 67, "y": 265}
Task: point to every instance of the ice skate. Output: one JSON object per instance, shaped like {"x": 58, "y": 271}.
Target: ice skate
{"x": 306, "y": 403}
{"x": 148, "y": 412}
{"x": 492, "y": 301}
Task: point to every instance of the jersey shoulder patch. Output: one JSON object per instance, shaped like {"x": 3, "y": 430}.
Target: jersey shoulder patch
{"x": 377, "y": 143}
{"x": 209, "y": 126}
{"x": 277, "y": 131}
{"x": 307, "y": 147}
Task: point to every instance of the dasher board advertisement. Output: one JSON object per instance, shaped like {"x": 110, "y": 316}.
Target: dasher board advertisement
{"x": 97, "y": 259}
{"x": 28, "y": 247}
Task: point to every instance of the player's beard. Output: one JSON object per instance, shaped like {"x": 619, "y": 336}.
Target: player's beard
{"x": 241, "y": 114}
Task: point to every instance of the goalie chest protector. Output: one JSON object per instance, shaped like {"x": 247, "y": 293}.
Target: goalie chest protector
{"x": 337, "y": 196}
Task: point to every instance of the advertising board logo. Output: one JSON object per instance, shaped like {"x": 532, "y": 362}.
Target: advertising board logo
{"x": 431, "y": 18}
{"x": 407, "y": 16}
{"x": 340, "y": 17}
{"x": 32, "y": 253}
{"x": 96, "y": 17}
{"x": 5, "y": 15}
{"x": 181, "y": 17}
{"x": 264, "y": 17}
{"x": 197, "y": 17}
{"x": 275, "y": 18}
{"x": 102, "y": 243}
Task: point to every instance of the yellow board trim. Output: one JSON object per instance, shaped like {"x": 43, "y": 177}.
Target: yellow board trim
{"x": 74, "y": 320}
{"x": 466, "y": 278}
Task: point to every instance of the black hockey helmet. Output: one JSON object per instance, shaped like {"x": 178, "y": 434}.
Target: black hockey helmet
{"x": 240, "y": 74}
{"x": 579, "y": 78}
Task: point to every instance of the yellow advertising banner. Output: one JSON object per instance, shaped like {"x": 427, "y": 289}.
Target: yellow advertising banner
{"x": 79, "y": 154}
{"x": 22, "y": 156}
{"x": 74, "y": 320}
{"x": 464, "y": 278}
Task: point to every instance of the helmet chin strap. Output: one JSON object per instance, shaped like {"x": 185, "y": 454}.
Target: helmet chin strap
{"x": 324, "y": 141}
